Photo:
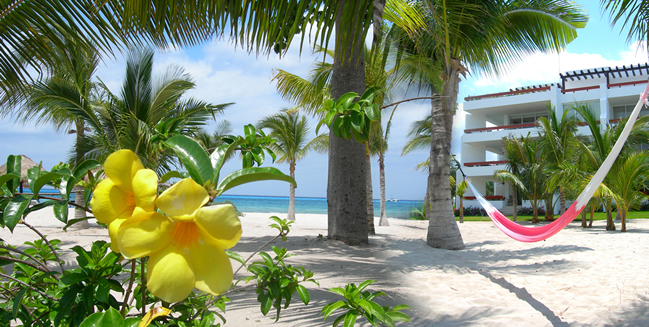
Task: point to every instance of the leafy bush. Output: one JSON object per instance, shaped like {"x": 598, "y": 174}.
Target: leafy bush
{"x": 471, "y": 211}
{"x": 527, "y": 211}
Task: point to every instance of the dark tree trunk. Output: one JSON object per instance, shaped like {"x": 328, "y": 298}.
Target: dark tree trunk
{"x": 370, "y": 193}
{"x": 610, "y": 224}
{"x": 592, "y": 215}
{"x": 584, "y": 223}
{"x": 461, "y": 212}
{"x": 346, "y": 190}
{"x": 549, "y": 208}
{"x": 562, "y": 200}
{"x": 623, "y": 219}
{"x": 443, "y": 231}
{"x": 291, "y": 196}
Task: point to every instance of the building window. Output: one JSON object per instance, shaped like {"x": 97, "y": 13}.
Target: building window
{"x": 526, "y": 118}
{"x": 592, "y": 105}
{"x": 624, "y": 111}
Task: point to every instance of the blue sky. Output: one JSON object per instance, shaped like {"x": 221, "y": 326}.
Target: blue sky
{"x": 225, "y": 74}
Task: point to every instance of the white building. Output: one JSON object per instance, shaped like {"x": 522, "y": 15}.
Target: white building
{"x": 611, "y": 91}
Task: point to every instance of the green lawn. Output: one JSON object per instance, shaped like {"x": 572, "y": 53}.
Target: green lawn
{"x": 598, "y": 216}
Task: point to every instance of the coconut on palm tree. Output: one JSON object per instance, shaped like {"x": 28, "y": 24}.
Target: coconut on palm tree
{"x": 291, "y": 130}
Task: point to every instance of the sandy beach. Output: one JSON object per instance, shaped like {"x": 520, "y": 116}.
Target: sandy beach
{"x": 577, "y": 278}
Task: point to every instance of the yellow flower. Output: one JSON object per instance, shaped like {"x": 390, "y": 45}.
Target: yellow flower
{"x": 129, "y": 189}
{"x": 186, "y": 248}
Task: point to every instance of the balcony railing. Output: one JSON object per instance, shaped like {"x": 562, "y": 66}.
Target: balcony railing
{"x": 497, "y": 128}
{"x": 485, "y": 163}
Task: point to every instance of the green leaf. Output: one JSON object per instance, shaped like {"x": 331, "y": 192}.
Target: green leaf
{"x": 258, "y": 155}
{"x": 338, "y": 290}
{"x": 373, "y": 112}
{"x": 73, "y": 278}
{"x": 365, "y": 284}
{"x": 350, "y": 319}
{"x": 328, "y": 309}
{"x": 398, "y": 316}
{"x": 17, "y": 301}
{"x": 13, "y": 167}
{"x": 193, "y": 156}
{"x": 369, "y": 94}
{"x": 266, "y": 303}
{"x": 235, "y": 256}
{"x": 329, "y": 118}
{"x": 253, "y": 174}
{"x": 337, "y": 126}
{"x": 32, "y": 175}
{"x": 303, "y": 293}
{"x": 401, "y": 307}
{"x": 61, "y": 210}
{"x": 8, "y": 177}
{"x": 266, "y": 258}
{"x": 14, "y": 210}
{"x": 357, "y": 121}
{"x": 346, "y": 128}
{"x": 250, "y": 134}
{"x": 42, "y": 181}
{"x": 83, "y": 168}
{"x": 170, "y": 175}
{"x": 220, "y": 155}
{"x": 346, "y": 99}
{"x": 109, "y": 318}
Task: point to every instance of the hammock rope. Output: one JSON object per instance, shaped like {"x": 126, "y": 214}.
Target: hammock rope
{"x": 539, "y": 233}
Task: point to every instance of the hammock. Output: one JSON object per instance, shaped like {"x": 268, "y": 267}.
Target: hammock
{"x": 535, "y": 234}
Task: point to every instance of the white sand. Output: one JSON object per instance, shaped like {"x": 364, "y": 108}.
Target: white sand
{"x": 578, "y": 277}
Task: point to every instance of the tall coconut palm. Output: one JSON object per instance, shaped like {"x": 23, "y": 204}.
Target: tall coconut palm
{"x": 291, "y": 130}
{"x": 483, "y": 36}
{"x": 634, "y": 15}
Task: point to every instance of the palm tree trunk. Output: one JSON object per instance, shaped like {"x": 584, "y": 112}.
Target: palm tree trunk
{"x": 592, "y": 215}
{"x": 384, "y": 217}
{"x": 623, "y": 219}
{"x": 562, "y": 200}
{"x": 549, "y": 208}
{"x": 346, "y": 191}
{"x": 291, "y": 196}
{"x": 443, "y": 231}
{"x": 514, "y": 204}
{"x": 461, "y": 209}
{"x": 78, "y": 190}
{"x": 610, "y": 224}
{"x": 583, "y": 219}
{"x": 370, "y": 196}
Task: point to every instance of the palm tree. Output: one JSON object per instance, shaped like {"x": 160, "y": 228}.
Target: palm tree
{"x": 514, "y": 153}
{"x": 291, "y": 130}
{"x": 602, "y": 143}
{"x": 485, "y": 36}
{"x": 146, "y": 112}
{"x": 461, "y": 188}
{"x": 627, "y": 180}
{"x": 559, "y": 147}
{"x": 634, "y": 14}
{"x": 210, "y": 142}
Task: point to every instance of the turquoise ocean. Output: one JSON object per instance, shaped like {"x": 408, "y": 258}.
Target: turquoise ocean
{"x": 279, "y": 204}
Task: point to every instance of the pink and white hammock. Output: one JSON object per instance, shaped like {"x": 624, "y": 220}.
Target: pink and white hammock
{"x": 535, "y": 234}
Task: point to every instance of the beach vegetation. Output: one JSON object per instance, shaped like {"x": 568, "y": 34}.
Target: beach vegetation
{"x": 484, "y": 36}
{"x": 291, "y": 130}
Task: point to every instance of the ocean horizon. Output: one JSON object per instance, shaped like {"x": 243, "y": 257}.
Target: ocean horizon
{"x": 311, "y": 205}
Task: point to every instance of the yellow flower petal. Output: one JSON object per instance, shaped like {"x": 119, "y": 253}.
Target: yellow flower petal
{"x": 145, "y": 189}
{"x": 212, "y": 268}
{"x": 121, "y": 167}
{"x": 144, "y": 234}
{"x": 169, "y": 275}
{"x": 220, "y": 225}
{"x": 113, "y": 227}
{"x": 182, "y": 199}
{"x": 108, "y": 201}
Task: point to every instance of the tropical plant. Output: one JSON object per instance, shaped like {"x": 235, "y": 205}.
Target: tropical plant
{"x": 602, "y": 143}
{"x": 559, "y": 147}
{"x": 291, "y": 131}
{"x": 633, "y": 14}
{"x": 210, "y": 142}
{"x": 461, "y": 188}
{"x": 146, "y": 113}
{"x": 627, "y": 182}
{"x": 513, "y": 149}
{"x": 485, "y": 36}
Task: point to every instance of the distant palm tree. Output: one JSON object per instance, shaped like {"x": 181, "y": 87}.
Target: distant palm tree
{"x": 559, "y": 148}
{"x": 291, "y": 131}
{"x": 461, "y": 188}
{"x": 210, "y": 142}
{"x": 147, "y": 111}
{"x": 514, "y": 153}
{"x": 627, "y": 182}
{"x": 634, "y": 16}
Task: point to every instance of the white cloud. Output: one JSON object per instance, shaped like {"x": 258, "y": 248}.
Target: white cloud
{"x": 542, "y": 68}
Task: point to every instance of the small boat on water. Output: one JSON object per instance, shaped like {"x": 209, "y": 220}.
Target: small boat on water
{"x": 392, "y": 200}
